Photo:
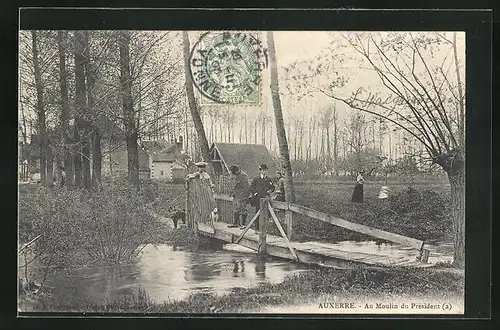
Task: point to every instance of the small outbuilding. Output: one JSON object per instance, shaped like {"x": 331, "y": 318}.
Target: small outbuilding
{"x": 247, "y": 156}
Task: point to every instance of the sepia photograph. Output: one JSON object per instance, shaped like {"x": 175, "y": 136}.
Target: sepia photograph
{"x": 241, "y": 171}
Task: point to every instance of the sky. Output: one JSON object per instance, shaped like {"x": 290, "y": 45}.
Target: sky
{"x": 296, "y": 46}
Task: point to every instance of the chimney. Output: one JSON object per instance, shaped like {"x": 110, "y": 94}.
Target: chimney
{"x": 179, "y": 145}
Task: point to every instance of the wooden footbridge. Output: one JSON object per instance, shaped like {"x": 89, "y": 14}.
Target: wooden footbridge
{"x": 314, "y": 253}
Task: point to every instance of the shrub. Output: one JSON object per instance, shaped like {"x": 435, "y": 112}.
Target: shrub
{"x": 78, "y": 227}
{"x": 119, "y": 222}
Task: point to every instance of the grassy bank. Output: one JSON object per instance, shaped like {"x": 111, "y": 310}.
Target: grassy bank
{"x": 422, "y": 212}
{"x": 305, "y": 287}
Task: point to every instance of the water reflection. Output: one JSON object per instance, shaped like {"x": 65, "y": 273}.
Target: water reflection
{"x": 260, "y": 270}
{"x": 238, "y": 268}
{"x": 169, "y": 273}
{"x": 202, "y": 266}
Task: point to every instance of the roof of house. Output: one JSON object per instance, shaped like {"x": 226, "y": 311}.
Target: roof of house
{"x": 163, "y": 157}
{"x": 160, "y": 150}
{"x": 158, "y": 146}
{"x": 247, "y": 156}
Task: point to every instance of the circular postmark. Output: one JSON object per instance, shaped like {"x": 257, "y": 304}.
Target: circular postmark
{"x": 226, "y": 67}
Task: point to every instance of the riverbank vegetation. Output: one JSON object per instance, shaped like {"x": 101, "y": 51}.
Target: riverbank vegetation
{"x": 78, "y": 227}
{"x": 308, "y": 287}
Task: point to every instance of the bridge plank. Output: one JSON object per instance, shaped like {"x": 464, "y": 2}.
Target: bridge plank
{"x": 316, "y": 253}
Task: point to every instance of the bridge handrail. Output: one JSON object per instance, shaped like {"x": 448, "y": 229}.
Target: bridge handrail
{"x": 363, "y": 229}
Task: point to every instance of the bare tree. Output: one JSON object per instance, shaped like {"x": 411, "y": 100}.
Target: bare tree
{"x": 420, "y": 95}
{"x": 40, "y": 108}
{"x": 198, "y": 124}
{"x": 128, "y": 111}
{"x": 95, "y": 134}
{"x": 280, "y": 126}
{"x": 65, "y": 113}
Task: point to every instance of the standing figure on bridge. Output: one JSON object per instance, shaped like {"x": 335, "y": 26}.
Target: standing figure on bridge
{"x": 261, "y": 187}
{"x": 200, "y": 195}
{"x": 240, "y": 193}
{"x": 357, "y": 195}
{"x": 280, "y": 187}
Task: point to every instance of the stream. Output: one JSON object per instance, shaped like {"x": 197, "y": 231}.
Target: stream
{"x": 169, "y": 273}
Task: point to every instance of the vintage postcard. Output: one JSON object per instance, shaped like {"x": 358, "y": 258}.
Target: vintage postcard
{"x": 241, "y": 171}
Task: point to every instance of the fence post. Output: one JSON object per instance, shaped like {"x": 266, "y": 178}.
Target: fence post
{"x": 264, "y": 216}
{"x": 289, "y": 224}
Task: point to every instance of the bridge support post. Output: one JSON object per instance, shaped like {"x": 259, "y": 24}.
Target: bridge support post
{"x": 289, "y": 223}
{"x": 263, "y": 219}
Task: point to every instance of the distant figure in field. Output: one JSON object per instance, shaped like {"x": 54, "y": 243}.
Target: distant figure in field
{"x": 357, "y": 195}
{"x": 280, "y": 187}
{"x": 240, "y": 193}
{"x": 384, "y": 192}
{"x": 261, "y": 187}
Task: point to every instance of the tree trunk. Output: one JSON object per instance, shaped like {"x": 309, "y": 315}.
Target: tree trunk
{"x": 50, "y": 166}
{"x": 96, "y": 134}
{"x": 263, "y": 128}
{"x": 280, "y": 125}
{"x": 82, "y": 108}
{"x": 335, "y": 142}
{"x": 186, "y": 133}
{"x": 309, "y": 136}
{"x": 65, "y": 114}
{"x": 461, "y": 118}
{"x": 77, "y": 154}
{"x": 271, "y": 137}
{"x": 40, "y": 109}
{"x": 198, "y": 124}
{"x": 301, "y": 157}
{"x": 128, "y": 110}
{"x": 322, "y": 152}
{"x": 23, "y": 130}
{"x": 255, "y": 132}
{"x": 246, "y": 130}
{"x": 454, "y": 165}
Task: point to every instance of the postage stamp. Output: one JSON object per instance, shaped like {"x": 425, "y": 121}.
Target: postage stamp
{"x": 226, "y": 67}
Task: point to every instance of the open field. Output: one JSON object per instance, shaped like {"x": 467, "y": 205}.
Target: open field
{"x": 422, "y": 212}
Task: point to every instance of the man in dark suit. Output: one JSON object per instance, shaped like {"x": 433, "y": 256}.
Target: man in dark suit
{"x": 240, "y": 193}
{"x": 261, "y": 187}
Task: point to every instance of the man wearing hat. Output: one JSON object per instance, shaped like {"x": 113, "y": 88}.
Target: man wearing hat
{"x": 261, "y": 187}
{"x": 240, "y": 193}
{"x": 280, "y": 188}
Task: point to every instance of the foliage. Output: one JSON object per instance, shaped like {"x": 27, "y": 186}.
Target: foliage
{"x": 79, "y": 227}
{"x": 368, "y": 160}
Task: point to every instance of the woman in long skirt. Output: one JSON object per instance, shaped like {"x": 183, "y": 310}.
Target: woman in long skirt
{"x": 357, "y": 195}
{"x": 200, "y": 195}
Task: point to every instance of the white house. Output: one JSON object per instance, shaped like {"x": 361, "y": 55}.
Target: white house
{"x": 162, "y": 158}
